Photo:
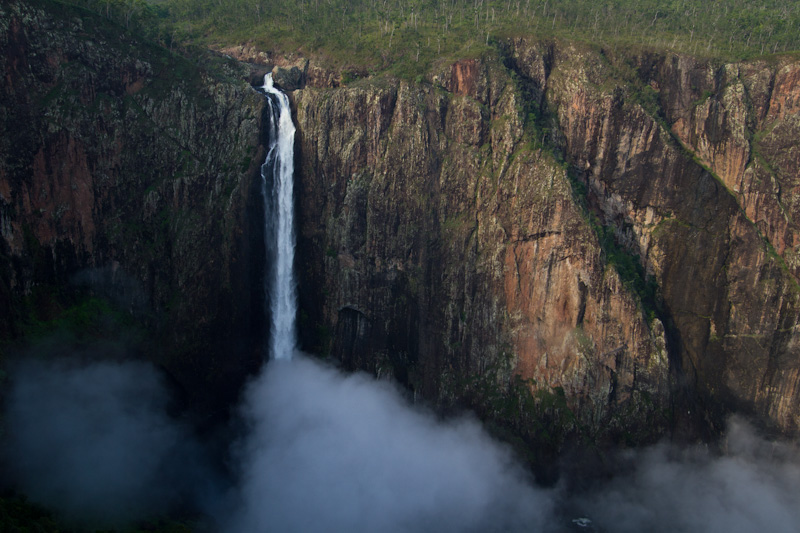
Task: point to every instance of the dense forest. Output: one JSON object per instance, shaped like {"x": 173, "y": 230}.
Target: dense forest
{"x": 409, "y": 34}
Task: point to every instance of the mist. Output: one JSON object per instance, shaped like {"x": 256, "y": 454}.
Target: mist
{"x": 336, "y": 452}
{"x": 322, "y": 450}
{"x": 753, "y": 486}
{"x": 92, "y": 441}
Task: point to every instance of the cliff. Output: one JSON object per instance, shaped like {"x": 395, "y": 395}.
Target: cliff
{"x": 451, "y": 254}
{"x": 691, "y": 164}
{"x": 128, "y": 172}
{"x": 557, "y": 233}
{"x": 577, "y": 243}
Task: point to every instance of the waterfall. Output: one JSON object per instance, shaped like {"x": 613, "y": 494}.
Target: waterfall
{"x": 277, "y": 175}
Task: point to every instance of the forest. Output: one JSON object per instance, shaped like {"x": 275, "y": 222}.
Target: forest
{"x": 407, "y": 35}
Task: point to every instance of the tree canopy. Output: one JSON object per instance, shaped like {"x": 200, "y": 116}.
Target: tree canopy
{"x": 410, "y": 33}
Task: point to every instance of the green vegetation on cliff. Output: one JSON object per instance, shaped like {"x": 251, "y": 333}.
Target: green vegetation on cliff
{"x": 379, "y": 34}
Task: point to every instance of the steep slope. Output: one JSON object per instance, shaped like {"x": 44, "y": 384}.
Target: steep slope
{"x": 730, "y": 299}
{"x": 450, "y": 254}
{"x": 129, "y": 170}
{"x": 569, "y": 240}
{"x": 451, "y": 250}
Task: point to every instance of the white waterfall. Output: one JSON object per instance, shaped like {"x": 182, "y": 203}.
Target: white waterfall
{"x": 277, "y": 174}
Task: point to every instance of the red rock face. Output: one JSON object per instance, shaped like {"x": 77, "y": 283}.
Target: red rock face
{"x": 450, "y": 252}
{"x": 745, "y": 131}
{"x": 60, "y": 195}
{"x": 442, "y": 225}
{"x": 739, "y": 120}
{"x": 785, "y": 95}
{"x": 708, "y": 238}
{"x": 114, "y": 169}
{"x": 464, "y": 78}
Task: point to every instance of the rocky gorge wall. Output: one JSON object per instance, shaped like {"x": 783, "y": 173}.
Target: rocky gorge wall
{"x": 449, "y": 253}
{"x": 699, "y": 185}
{"x": 455, "y": 234}
{"x": 128, "y": 171}
{"x": 580, "y": 245}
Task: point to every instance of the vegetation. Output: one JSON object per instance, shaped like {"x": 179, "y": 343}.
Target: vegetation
{"x": 408, "y": 35}
{"x": 83, "y": 318}
{"x": 534, "y": 419}
{"x": 376, "y": 34}
{"x": 631, "y": 272}
{"x": 17, "y": 514}
{"x": 628, "y": 265}
{"x": 144, "y": 17}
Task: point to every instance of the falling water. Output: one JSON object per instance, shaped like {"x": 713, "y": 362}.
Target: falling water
{"x": 278, "y": 170}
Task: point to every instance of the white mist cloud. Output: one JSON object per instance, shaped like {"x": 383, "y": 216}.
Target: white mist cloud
{"x": 754, "y": 486}
{"x": 90, "y": 440}
{"x": 326, "y": 451}
{"x": 334, "y": 452}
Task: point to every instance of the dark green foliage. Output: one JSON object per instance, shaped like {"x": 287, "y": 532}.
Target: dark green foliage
{"x": 146, "y": 25}
{"x": 73, "y": 313}
{"x": 630, "y": 270}
{"x": 142, "y": 17}
{"x": 19, "y": 515}
{"x": 705, "y": 96}
{"x": 405, "y": 38}
{"x": 409, "y": 35}
{"x": 534, "y": 419}
{"x": 647, "y": 97}
{"x": 541, "y": 413}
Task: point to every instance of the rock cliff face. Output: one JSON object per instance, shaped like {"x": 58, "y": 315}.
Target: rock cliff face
{"x": 742, "y": 121}
{"x": 687, "y": 189}
{"x": 568, "y": 240}
{"x": 450, "y": 253}
{"x": 130, "y": 169}
{"x": 443, "y": 239}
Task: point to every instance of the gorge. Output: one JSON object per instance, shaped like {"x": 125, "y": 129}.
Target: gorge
{"x": 589, "y": 248}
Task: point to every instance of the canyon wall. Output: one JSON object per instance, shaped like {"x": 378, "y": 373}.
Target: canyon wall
{"x": 692, "y": 165}
{"x": 442, "y": 246}
{"x": 129, "y": 171}
{"x": 613, "y": 230}
{"x": 579, "y": 244}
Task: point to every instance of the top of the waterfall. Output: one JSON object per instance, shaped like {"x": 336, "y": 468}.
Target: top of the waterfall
{"x": 268, "y": 84}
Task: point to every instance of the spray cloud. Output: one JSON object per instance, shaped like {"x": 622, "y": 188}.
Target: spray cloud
{"x": 753, "y": 486}
{"x": 91, "y": 441}
{"x": 327, "y": 451}
{"x": 333, "y": 452}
